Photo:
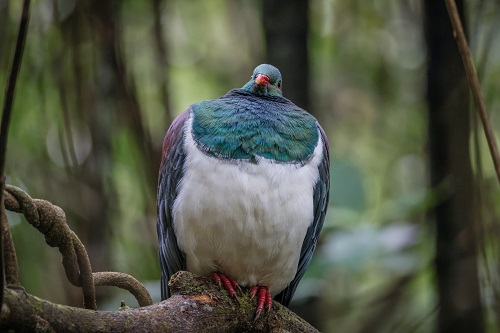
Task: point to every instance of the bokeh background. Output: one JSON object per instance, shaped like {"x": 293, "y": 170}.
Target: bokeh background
{"x": 413, "y": 192}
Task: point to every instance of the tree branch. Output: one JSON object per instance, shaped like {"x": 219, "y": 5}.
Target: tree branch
{"x": 197, "y": 305}
{"x": 474, "y": 83}
{"x": 11, "y": 267}
{"x": 6, "y": 115}
{"x": 50, "y": 220}
{"x": 124, "y": 281}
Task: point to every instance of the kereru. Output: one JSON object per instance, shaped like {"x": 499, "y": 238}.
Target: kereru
{"x": 243, "y": 191}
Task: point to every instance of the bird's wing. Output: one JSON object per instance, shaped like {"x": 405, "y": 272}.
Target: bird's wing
{"x": 172, "y": 259}
{"x": 321, "y": 193}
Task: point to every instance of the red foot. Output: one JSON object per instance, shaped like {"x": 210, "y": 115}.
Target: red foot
{"x": 264, "y": 299}
{"x": 229, "y": 283}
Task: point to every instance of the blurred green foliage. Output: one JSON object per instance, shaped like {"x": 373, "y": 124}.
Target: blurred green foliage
{"x": 368, "y": 74}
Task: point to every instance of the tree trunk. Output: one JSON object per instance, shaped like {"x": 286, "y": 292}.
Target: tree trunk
{"x": 451, "y": 176}
{"x": 286, "y": 26}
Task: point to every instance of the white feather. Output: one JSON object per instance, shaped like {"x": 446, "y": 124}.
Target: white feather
{"x": 245, "y": 220}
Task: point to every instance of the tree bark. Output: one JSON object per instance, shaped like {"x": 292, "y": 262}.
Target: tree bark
{"x": 451, "y": 173}
{"x": 197, "y": 305}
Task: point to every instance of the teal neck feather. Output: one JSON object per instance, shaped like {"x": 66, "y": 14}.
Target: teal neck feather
{"x": 243, "y": 126}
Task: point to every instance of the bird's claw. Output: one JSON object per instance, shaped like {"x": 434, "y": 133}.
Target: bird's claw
{"x": 229, "y": 283}
{"x": 264, "y": 299}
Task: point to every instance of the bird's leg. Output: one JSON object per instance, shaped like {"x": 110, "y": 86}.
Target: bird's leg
{"x": 229, "y": 283}
{"x": 264, "y": 299}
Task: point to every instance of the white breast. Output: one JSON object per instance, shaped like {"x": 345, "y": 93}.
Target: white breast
{"x": 245, "y": 220}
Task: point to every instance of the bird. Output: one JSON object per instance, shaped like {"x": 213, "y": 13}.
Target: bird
{"x": 243, "y": 190}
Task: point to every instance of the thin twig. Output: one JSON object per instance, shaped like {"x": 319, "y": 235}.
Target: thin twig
{"x": 474, "y": 83}
{"x": 6, "y": 115}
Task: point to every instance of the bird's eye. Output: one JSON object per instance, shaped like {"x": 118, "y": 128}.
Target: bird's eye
{"x": 279, "y": 85}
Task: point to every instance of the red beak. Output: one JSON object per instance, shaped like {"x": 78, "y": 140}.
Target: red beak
{"x": 262, "y": 79}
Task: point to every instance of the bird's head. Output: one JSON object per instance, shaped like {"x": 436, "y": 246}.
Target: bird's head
{"x": 265, "y": 81}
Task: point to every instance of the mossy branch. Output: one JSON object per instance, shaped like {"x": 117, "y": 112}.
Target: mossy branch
{"x": 196, "y": 305}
